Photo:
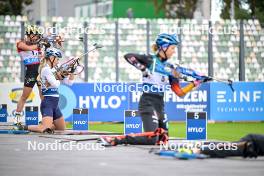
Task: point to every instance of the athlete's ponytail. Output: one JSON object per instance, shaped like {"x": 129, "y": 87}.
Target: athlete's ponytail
{"x": 43, "y": 62}
{"x": 155, "y": 47}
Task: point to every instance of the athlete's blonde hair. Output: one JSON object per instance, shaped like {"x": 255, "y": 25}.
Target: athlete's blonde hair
{"x": 43, "y": 62}
{"x": 155, "y": 47}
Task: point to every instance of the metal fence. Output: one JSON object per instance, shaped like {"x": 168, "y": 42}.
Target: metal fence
{"x": 226, "y": 49}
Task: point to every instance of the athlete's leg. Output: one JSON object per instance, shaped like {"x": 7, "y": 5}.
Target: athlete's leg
{"x": 150, "y": 123}
{"x": 46, "y": 108}
{"x": 59, "y": 121}
{"x": 146, "y": 111}
{"x": 29, "y": 82}
{"x": 47, "y": 122}
{"x": 40, "y": 93}
{"x": 146, "y": 138}
{"x": 23, "y": 98}
{"x": 151, "y": 108}
{"x": 160, "y": 114}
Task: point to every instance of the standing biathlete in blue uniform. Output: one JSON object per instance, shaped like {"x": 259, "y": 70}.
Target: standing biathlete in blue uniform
{"x": 52, "y": 118}
{"x": 157, "y": 75}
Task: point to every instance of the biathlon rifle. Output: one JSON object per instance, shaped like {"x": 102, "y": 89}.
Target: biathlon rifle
{"x": 185, "y": 73}
{"x": 73, "y": 65}
{"x": 189, "y": 72}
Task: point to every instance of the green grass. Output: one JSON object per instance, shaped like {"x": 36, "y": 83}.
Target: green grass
{"x": 230, "y": 131}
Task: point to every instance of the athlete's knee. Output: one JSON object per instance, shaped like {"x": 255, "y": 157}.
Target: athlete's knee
{"x": 24, "y": 97}
{"x": 149, "y": 124}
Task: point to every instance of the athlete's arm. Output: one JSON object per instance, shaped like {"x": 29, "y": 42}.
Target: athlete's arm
{"x": 177, "y": 89}
{"x": 141, "y": 62}
{"x": 68, "y": 80}
{"x": 51, "y": 78}
{"x": 23, "y": 46}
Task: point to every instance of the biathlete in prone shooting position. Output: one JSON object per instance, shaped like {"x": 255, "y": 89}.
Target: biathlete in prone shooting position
{"x": 251, "y": 145}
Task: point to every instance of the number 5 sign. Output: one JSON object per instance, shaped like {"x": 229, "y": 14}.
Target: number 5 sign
{"x": 196, "y": 125}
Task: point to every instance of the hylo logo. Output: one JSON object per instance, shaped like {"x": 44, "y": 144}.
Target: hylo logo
{"x": 83, "y": 122}
{"x": 132, "y": 125}
{"x": 31, "y": 118}
{"x": 113, "y": 102}
{"x": 195, "y": 130}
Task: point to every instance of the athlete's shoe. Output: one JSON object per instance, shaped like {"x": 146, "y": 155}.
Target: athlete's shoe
{"x": 107, "y": 141}
{"x": 17, "y": 118}
{"x": 48, "y": 131}
{"x": 18, "y": 126}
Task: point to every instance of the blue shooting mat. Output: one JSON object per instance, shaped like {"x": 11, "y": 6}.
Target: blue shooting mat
{"x": 181, "y": 155}
{"x": 14, "y": 131}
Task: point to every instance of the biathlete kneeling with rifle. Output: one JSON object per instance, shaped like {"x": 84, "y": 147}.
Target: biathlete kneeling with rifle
{"x": 50, "y": 78}
{"x": 157, "y": 73}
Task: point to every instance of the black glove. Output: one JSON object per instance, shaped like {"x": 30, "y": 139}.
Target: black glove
{"x": 44, "y": 43}
{"x": 250, "y": 150}
{"x": 206, "y": 79}
{"x": 253, "y": 145}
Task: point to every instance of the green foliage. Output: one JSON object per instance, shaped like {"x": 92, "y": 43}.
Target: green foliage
{"x": 255, "y": 9}
{"x": 13, "y": 7}
{"x": 185, "y": 9}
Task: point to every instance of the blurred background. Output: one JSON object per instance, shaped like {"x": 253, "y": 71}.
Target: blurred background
{"x": 234, "y": 50}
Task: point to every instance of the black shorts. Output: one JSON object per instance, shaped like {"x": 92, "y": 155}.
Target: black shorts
{"x": 31, "y": 74}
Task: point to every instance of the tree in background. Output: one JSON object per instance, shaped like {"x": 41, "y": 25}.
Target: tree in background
{"x": 176, "y": 8}
{"x": 13, "y": 7}
{"x": 244, "y": 9}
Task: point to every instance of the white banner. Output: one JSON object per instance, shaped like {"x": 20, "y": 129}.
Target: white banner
{"x": 10, "y": 94}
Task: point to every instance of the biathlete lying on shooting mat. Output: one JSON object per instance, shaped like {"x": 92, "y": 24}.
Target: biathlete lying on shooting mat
{"x": 251, "y": 145}
{"x": 157, "y": 73}
{"x": 52, "y": 118}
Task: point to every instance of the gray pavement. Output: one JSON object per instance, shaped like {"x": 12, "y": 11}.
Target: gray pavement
{"x": 16, "y": 159}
